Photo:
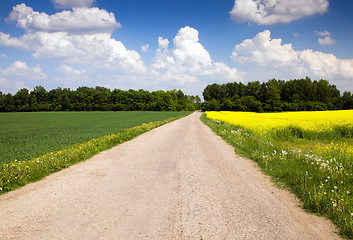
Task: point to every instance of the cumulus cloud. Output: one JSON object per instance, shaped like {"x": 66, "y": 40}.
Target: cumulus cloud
{"x": 188, "y": 51}
{"x": 73, "y": 77}
{"x": 144, "y": 48}
{"x": 327, "y": 40}
{"x": 82, "y": 35}
{"x": 81, "y": 20}
{"x": 72, "y": 3}
{"x": 6, "y": 40}
{"x": 21, "y": 70}
{"x": 13, "y": 77}
{"x": 270, "y": 55}
{"x": 163, "y": 43}
{"x": 84, "y": 49}
{"x": 188, "y": 61}
{"x": 11, "y": 86}
{"x": 67, "y": 70}
{"x": 266, "y": 12}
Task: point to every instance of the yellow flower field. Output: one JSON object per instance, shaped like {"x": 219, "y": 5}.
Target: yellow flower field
{"x": 262, "y": 123}
{"x": 311, "y": 153}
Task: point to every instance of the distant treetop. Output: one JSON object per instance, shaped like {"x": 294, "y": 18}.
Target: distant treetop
{"x": 275, "y": 96}
{"x": 97, "y": 99}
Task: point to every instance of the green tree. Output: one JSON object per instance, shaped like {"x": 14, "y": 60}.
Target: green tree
{"x": 253, "y": 89}
{"x": 212, "y": 105}
{"x": 271, "y": 95}
{"x": 22, "y": 97}
{"x": 40, "y": 93}
{"x": 347, "y": 99}
{"x": 8, "y": 103}
{"x": 251, "y": 104}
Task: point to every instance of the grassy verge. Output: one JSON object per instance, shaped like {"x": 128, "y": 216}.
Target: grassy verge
{"x": 19, "y": 173}
{"x": 318, "y": 171}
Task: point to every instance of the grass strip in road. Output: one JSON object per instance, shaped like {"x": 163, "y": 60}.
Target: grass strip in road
{"x": 19, "y": 173}
{"x": 317, "y": 172}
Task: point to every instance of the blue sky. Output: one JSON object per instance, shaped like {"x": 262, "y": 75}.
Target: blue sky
{"x": 161, "y": 44}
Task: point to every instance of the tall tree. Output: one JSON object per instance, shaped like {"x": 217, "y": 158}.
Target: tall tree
{"x": 40, "y": 93}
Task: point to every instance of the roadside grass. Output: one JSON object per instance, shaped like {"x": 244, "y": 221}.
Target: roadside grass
{"x": 317, "y": 168}
{"x": 29, "y": 135}
{"x": 18, "y": 173}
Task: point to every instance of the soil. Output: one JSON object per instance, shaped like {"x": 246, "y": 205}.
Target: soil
{"x": 178, "y": 181}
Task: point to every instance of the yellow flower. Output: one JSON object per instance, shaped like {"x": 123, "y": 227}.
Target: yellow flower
{"x": 307, "y": 121}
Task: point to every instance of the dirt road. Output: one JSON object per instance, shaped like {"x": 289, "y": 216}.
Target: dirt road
{"x": 179, "y": 181}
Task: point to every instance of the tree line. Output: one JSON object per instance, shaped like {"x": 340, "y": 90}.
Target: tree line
{"x": 97, "y": 99}
{"x": 275, "y": 96}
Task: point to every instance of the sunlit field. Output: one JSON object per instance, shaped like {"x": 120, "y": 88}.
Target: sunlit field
{"x": 67, "y": 138}
{"x": 326, "y": 122}
{"x": 26, "y": 135}
{"x": 311, "y": 153}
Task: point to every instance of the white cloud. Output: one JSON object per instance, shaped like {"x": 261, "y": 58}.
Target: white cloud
{"x": 71, "y": 77}
{"x": 346, "y": 67}
{"x": 163, "y": 43}
{"x": 265, "y": 12}
{"x": 6, "y": 40}
{"x": 14, "y": 77}
{"x": 327, "y": 40}
{"x": 144, "y": 48}
{"x": 84, "y": 49}
{"x": 263, "y": 50}
{"x": 67, "y": 70}
{"x": 188, "y": 61}
{"x": 79, "y": 36}
{"x": 265, "y": 55}
{"x": 188, "y": 50}
{"x": 187, "y": 55}
{"x": 324, "y": 33}
{"x": 11, "y": 86}
{"x": 21, "y": 70}
{"x": 79, "y": 20}
{"x": 72, "y": 3}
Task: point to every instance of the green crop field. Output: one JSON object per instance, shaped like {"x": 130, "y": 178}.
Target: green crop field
{"x": 28, "y": 135}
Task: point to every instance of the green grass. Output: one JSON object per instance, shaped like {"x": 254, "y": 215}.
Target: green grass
{"x": 319, "y": 171}
{"x": 18, "y": 173}
{"x": 29, "y": 135}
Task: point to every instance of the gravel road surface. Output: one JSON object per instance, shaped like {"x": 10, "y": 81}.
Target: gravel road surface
{"x": 179, "y": 181}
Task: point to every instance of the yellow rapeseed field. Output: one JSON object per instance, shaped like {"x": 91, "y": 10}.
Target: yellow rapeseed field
{"x": 310, "y": 152}
{"x": 308, "y": 121}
